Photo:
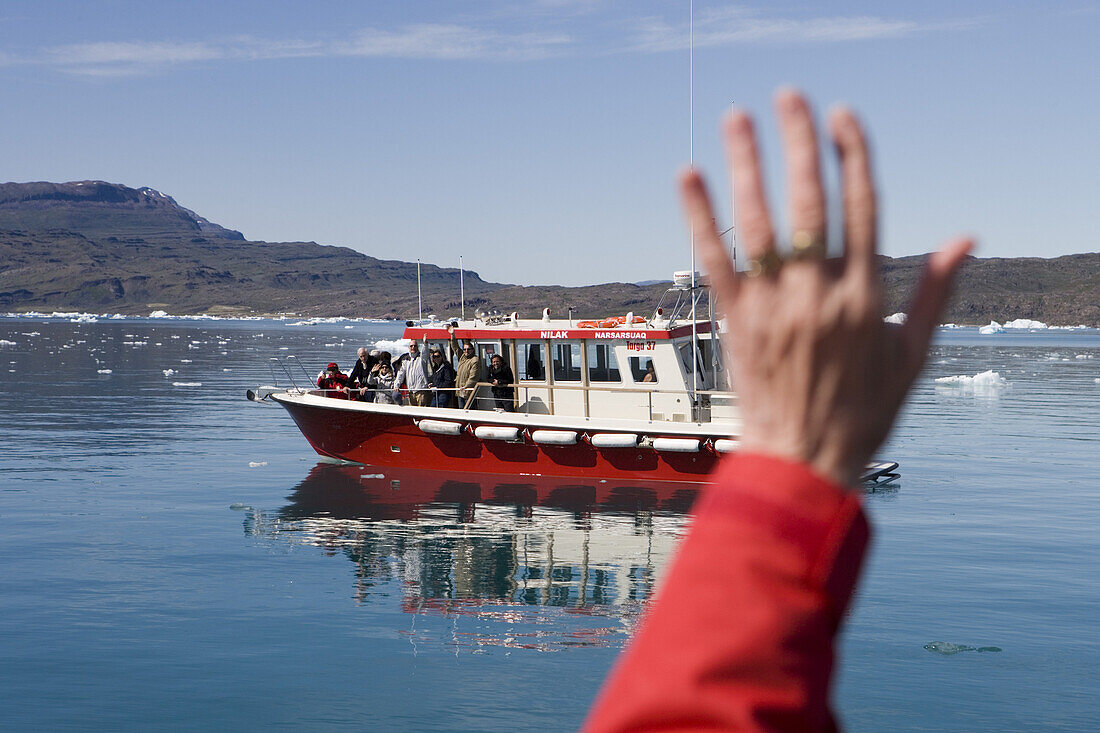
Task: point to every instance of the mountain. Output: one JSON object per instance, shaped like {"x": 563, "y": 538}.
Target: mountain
{"x": 96, "y": 246}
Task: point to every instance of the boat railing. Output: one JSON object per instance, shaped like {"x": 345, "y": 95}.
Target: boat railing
{"x": 709, "y": 403}
{"x": 528, "y": 399}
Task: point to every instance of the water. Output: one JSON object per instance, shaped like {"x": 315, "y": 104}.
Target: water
{"x": 176, "y": 557}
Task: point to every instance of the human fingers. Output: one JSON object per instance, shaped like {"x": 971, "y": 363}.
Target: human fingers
{"x": 860, "y": 209}
{"x": 805, "y": 192}
{"x": 932, "y": 292}
{"x": 708, "y": 244}
{"x": 753, "y": 222}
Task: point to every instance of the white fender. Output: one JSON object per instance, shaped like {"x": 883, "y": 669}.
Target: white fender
{"x": 555, "y": 437}
{"x": 496, "y": 432}
{"x": 440, "y": 427}
{"x": 676, "y": 445}
{"x": 614, "y": 440}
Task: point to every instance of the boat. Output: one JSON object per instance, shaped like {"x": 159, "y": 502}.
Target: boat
{"x": 626, "y": 396}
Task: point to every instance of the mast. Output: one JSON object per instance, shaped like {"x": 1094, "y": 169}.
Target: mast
{"x": 691, "y": 158}
{"x": 419, "y": 298}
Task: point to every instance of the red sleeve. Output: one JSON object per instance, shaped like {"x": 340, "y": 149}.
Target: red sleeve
{"x": 740, "y": 635}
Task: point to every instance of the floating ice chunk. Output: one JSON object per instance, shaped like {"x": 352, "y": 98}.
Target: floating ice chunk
{"x": 170, "y": 372}
{"x": 186, "y": 384}
{"x": 103, "y": 371}
{"x": 992, "y": 328}
{"x": 158, "y": 314}
{"x": 898, "y": 318}
{"x": 946, "y": 648}
{"x": 394, "y": 347}
{"x": 256, "y": 464}
{"x": 5, "y": 342}
{"x": 1026, "y": 324}
{"x": 988, "y": 380}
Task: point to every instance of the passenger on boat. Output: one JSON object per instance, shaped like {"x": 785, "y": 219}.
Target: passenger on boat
{"x": 357, "y": 380}
{"x": 468, "y": 373}
{"x": 442, "y": 379}
{"x": 381, "y": 384}
{"x": 415, "y": 373}
{"x": 333, "y": 381}
{"x": 741, "y": 633}
{"x": 500, "y": 376}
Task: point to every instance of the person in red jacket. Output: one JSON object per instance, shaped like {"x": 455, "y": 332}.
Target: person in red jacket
{"x": 740, "y": 635}
{"x": 333, "y": 381}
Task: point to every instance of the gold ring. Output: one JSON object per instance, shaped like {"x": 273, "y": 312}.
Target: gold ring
{"x": 807, "y": 245}
{"x": 765, "y": 264}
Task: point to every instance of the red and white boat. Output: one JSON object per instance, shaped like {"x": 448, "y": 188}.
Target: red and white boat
{"x": 630, "y": 397}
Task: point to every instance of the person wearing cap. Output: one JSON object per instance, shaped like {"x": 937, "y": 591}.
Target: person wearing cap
{"x": 333, "y": 382}
{"x": 415, "y": 373}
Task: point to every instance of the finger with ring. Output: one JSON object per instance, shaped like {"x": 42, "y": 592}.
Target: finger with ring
{"x": 768, "y": 263}
{"x": 806, "y": 245}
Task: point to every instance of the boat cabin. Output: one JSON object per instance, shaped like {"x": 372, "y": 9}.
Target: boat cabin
{"x": 624, "y": 367}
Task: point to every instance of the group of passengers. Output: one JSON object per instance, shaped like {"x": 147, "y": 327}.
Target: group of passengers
{"x": 429, "y": 377}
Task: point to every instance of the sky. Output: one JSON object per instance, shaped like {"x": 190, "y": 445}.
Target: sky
{"x": 540, "y": 140}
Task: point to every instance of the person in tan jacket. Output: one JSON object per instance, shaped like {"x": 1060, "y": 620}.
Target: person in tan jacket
{"x": 469, "y": 367}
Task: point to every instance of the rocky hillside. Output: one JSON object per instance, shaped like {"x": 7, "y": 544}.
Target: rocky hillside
{"x": 100, "y": 247}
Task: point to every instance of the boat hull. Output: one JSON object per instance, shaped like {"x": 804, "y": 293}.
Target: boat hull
{"x": 393, "y": 439}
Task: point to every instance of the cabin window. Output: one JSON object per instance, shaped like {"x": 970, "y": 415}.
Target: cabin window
{"x": 532, "y": 362}
{"x": 642, "y": 368}
{"x": 567, "y": 362}
{"x": 705, "y": 352}
{"x": 602, "y": 365}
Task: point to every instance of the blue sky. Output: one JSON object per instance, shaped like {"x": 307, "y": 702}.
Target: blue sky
{"x": 541, "y": 139}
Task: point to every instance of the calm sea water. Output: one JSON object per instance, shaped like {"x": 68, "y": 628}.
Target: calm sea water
{"x": 174, "y": 557}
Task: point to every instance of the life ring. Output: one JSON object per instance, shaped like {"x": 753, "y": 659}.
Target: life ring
{"x": 612, "y": 322}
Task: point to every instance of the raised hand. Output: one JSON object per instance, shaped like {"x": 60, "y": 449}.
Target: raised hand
{"x": 820, "y": 376}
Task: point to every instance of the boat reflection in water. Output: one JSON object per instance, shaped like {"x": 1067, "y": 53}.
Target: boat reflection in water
{"x": 523, "y": 561}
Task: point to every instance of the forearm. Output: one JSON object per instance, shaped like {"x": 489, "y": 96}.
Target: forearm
{"x": 741, "y": 634}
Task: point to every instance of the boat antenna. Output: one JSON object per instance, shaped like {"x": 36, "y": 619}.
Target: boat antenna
{"x": 419, "y": 298}
{"x": 462, "y": 287}
{"x": 691, "y": 159}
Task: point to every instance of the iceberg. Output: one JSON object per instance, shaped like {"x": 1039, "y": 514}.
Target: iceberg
{"x": 986, "y": 381}
{"x": 1025, "y": 324}
{"x": 396, "y": 348}
{"x": 993, "y": 327}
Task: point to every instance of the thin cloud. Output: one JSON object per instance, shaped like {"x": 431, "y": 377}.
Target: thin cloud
{"x": 478, "y": 42}
{"x": 425, "y": 41}
{"x": 736, "y": 26}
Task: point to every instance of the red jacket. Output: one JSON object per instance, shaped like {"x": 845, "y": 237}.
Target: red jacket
{"x": 740, "y": 635}
{"x": 335, "y": 385}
